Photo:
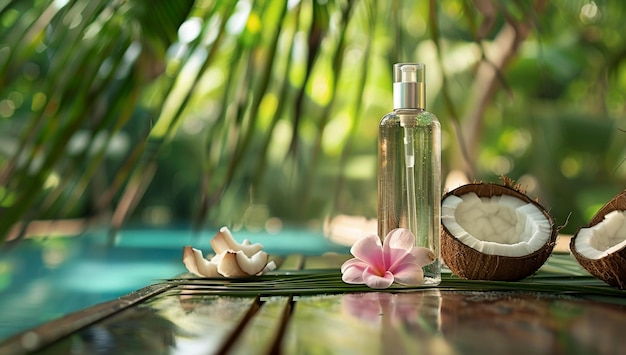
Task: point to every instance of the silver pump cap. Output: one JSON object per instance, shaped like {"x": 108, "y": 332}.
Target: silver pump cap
{"x": 408, "y": 86}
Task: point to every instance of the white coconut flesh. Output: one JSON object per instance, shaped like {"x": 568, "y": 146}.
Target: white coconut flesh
{"x": 604, "y": 238}
{"x": 497, "y": 225}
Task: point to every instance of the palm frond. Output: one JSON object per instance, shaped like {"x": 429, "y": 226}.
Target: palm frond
{"x": 561, "y": 274}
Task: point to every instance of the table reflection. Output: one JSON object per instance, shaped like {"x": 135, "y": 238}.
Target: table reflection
{"x": 424, "y": 321}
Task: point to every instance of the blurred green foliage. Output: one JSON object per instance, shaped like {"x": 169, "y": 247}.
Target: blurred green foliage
{"x": 243, "y": 112}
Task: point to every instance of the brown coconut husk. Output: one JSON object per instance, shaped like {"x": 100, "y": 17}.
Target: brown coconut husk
{"x": 469, "y": 263}
{"x": 611, "y": 268}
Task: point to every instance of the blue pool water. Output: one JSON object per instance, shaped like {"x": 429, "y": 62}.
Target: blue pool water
{"x": 45, "y": 279}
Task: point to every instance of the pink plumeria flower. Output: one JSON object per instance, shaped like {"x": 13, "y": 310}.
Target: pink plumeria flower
{"x": 378, "y": 266}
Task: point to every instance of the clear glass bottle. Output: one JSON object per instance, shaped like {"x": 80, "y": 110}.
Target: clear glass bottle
{"x": 409, "y": 166}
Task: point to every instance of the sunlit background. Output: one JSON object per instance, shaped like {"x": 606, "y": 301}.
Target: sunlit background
{"x": 257, "y": 114}
{"x": 262, "y": 115}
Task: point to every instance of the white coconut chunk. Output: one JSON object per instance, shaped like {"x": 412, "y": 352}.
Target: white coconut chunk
{"x": 498, "y": 225}
{"x": 604, "y": 238}
{"x": 197, "y": 264}
{"x": 224, "y": 240}
{"x": 254, "y": 264}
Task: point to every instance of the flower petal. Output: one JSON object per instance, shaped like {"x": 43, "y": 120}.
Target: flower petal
{"x": 373, "y": 280}
{"x": 400, "y": 238}
{"x": 396, "y": 245}
{"x": 408, "y": 274}
{"x": 351, "y": 262}
{"x": 369, "y": 250}
{"x": 423, "y": 256}
{"x": 399, "y": 257}
{"x": 352, "y": 271}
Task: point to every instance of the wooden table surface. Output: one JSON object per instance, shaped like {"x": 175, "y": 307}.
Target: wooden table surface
{"x": 202, "y": 316}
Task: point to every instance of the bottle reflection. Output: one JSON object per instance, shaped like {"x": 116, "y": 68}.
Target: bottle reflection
{"x": 407, "y": 321}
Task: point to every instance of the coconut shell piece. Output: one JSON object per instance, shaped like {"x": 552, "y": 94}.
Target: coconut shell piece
{"x": 471, "y": 264}
{"x": 611, "y": 268}
{"x": 232, "y": 259}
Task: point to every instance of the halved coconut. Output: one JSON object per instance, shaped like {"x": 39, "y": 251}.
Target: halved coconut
{"x": 600, "y": 247}
{"x": 494, "y": 232}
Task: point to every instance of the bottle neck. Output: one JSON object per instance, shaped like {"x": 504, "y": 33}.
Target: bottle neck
{"x": 408, "y": 111}
{"x": 409, "y": 95}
